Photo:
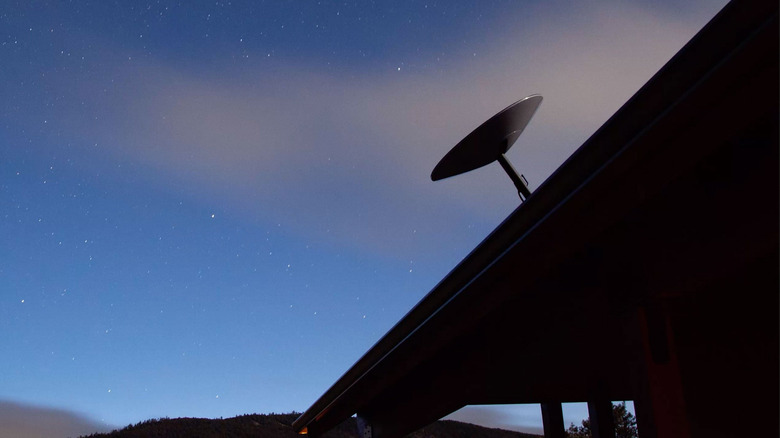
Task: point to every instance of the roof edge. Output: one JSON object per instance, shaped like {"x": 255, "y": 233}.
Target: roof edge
{"x": 730, "y": 27}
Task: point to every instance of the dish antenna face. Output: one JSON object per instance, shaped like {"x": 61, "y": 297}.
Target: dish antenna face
{"x": 489, "y": 142}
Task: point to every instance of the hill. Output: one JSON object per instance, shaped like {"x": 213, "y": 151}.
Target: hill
{"x": 280, "y": 426}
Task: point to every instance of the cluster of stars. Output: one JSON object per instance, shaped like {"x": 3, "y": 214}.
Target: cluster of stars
{"x": 154, "y": 276}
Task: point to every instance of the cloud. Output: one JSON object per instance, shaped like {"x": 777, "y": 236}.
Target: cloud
{"x": 27, "y": 421}
{"x": 345, "y": 156}
{"x": 521, "y": 418}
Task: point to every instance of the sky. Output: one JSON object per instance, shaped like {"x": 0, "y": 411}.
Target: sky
{"x": 209, "y": 209}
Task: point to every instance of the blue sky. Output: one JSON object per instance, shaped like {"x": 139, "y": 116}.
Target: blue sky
{"x": 215, "y": 208}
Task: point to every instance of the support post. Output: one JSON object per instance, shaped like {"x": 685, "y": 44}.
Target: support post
{"x": 552, "y": 419}
{"x": 364, "y": 428}
{"x": 602, "y": 423}
{"x": 522, "y": 187}
{"x": 661, "y": 409}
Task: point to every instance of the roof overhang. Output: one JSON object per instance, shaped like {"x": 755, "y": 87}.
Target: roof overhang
{"x": 674, "y": 195}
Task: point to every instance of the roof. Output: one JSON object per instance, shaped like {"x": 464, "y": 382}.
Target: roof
{"x": 675, "y": 192}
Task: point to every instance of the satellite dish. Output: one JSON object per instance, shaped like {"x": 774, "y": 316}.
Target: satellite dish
{"x": 489, "y": 142}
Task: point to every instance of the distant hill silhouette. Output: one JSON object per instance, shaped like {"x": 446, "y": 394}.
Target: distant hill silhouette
{"x": 280, "y": 426}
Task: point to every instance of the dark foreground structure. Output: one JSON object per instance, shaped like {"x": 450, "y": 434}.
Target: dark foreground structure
{"x": 645, "y": 268}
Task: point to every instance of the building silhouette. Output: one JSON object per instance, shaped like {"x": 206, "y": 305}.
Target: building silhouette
{"x": 645, "y": 268}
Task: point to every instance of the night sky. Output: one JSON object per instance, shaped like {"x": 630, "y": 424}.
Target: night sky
{"x": 214, "y": 208}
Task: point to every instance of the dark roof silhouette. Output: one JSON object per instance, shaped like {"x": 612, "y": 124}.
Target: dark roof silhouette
{"x": 645, "y": 268}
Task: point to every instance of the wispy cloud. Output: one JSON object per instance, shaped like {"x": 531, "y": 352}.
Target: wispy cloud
{"x": 521, "y": 418}
{"x": 27, "y": 421}
{"x": 347, "y": 155}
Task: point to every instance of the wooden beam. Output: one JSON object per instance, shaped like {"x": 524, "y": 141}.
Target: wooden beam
{"x": 552, "y": 419}
{"x": 602, "y": 424}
